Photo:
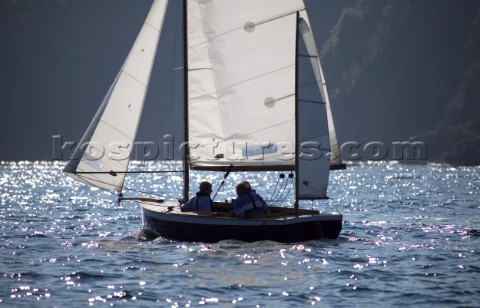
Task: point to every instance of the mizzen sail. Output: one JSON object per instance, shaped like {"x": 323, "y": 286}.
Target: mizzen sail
{"x": 102, "y": 156}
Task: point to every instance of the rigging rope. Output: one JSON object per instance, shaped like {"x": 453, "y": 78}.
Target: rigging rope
{"x": 282, "y": 194}
{"x": 223, "y": 181}
{"x": 290, "y": 185}
{"x": 282, "y": 189}
{"x": 124, "y": 188}
{"x": 281, "y": 176}
{"x": 114, "y": 173}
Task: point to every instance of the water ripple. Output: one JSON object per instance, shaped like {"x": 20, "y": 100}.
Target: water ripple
{"x": 410, "y": 235}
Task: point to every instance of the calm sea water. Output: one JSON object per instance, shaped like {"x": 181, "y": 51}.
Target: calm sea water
{"x": 411, "y": 235}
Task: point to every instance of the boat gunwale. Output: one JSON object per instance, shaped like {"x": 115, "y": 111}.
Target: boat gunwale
{"x": 162, "y": 212}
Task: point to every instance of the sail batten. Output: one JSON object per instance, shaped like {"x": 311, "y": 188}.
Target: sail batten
{"x": 245, "y": 26}
{"x": 240, "y": 82}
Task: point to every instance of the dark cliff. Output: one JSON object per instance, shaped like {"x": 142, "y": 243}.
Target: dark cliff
{"x": 404, "y": 70}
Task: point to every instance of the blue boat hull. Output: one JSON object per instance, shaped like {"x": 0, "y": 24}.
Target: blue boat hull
{"x": 215, "y": 227}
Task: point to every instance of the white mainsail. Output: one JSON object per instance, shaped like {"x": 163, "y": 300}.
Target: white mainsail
{"x": 102, "y": 156}
{"x": 242, "y": 67}
{"x": 241, "y": 83}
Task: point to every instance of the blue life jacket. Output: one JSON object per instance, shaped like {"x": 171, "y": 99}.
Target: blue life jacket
{"x": 200, "y": 202}
{"x": 250, "y": 203}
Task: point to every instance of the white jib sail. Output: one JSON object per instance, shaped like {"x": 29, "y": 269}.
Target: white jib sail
{"x": 241, "y": 82}
{"x": 102, "y": 156}
{"x": 313, "y": 131}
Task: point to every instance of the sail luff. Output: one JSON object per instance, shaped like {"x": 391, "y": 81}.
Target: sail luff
{"x": 108, "y": 142}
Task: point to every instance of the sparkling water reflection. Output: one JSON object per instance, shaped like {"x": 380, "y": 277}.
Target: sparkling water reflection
{"x": 411, "y": 235}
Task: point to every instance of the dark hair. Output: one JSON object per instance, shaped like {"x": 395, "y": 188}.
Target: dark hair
{"x": 205, "y": 186}
{"x": 247, "y": 184}
{"x": 243, "y": 188}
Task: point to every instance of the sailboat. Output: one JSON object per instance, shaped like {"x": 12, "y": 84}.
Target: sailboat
{"x": 255, "y": 99}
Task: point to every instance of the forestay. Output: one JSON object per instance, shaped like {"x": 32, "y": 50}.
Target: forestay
{"x": 102, "y": 156}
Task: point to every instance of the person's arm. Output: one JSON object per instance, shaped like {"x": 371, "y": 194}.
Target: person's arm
{"x": 263, "y": 201}
{"x": 188, "y": 206}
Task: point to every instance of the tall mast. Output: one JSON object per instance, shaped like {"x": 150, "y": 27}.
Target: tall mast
{"x": 296, "y": 115}
{"x": 186, "y": 175}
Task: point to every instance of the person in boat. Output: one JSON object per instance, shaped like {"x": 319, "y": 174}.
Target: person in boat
{"x": 201, "y": 201}
{"x": 248, "y": 202}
